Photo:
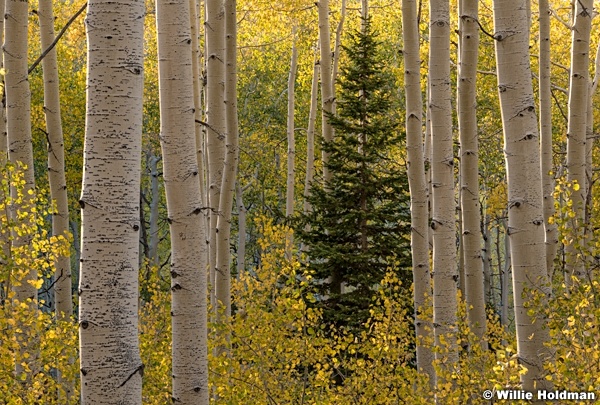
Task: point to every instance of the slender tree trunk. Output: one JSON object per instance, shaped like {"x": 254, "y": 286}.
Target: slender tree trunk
{"x": 111, "y": 368}
{"x": 445, "y": 275}
{"x": 291, "y": 152}
{"x": 152, "y": 163}
{"x": 418, "y": 185}
{"x": 310, "y": 136}
{"x": 525, "y": 216}
{"x": 184, "y": 203}
{"x": 545, "y": 95}
{"x": 576, "y": 131}
{"x": 487, "y": 262}
{"x": 241, "y": 252}
{"x": 56, "y": 161}
{"x": 327, "y": 89}
{"x": 469, "y": 165}
{"x": 228, "y": 182}
{"x": 4, "y": 237}
{"x": 336, "y": 47}
{"x": 215, "y": 117}
{"x": 198, "y": 87}
{"x": 506, "y": 274}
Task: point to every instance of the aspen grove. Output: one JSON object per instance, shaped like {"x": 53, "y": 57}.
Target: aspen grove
{"x": 299, "y": 202}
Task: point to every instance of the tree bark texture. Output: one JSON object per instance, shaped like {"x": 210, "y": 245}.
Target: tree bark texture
{"x": 291, "y": 140}
{"x": 184, "y": 203}
{"x": 327, "y": 90}
{"x": 469, "y": 165}
{"x": 417, "y": 183}
{"x": 525, "y": 214}
{"x": 576, "y": 132}
{"x": 443, "y": 224}
{"x": 111, "y": 368}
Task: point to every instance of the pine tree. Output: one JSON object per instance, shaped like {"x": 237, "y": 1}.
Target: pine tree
{"x": 359, "y": 224}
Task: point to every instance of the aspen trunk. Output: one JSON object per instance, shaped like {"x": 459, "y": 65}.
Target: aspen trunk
{"x": 417, "y": 184}
{"x": 469, "y": 165}
{"x": 291, "y": 152}
{"x": 336, "y": 47}
{"x": 111, "y": 368}
{"x": 545, "y": 95}
{"x": 184, "y": 203}
{"x": 445, "y": 275}
{"x": 56, "y": 161}
{"x": 18, "y": 124}
{"x": 310, "y": 136}
{"x": 198, "y": 86}
{"x": 576, "y": 131}
{"x": 327, "y": 91}
{"x": 152, "y": 163}
{"x": 215, "y": 117}
{"x": 525, "y": 216}
{"x": 4, "y": 238}
{"x": 223, "y": 275}
{"x": 241, "y": 252}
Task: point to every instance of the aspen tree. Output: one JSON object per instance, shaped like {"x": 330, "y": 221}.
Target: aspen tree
{"x": 4, "y": 239}
{"x": 223, "y": 293}
{"x": 291, "y": 152}
{"x": 576, "y": 131}
{"x": 241, "y": 251}
{"x": 56, "y": 161}
{"x": 336, "y": 46}
{"x": 184, "y": 203}
{"x": 417, "y": 183}
{"x": 445, "y": 275}
{"x": 327, "y": 89}
{"x": 545, "y": 96}
{"x": 525, "y": 216}
{"x": 310, "y": 136}
{"x": 18, "y": 118}
{"x": 215, "y": 118}
{"x": 469, "y": 165}
{"x": 111, "y": 368}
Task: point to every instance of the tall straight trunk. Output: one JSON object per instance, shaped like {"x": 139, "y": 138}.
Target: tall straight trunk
{"x": 56, "y": 161}
{"x": 525, "y": 216}
{"x": 445, "y": 275}
{"x": 111, "y": 367}
{"x": 337, "y": 45}
{"x": 469, "y": 165}
{"x": 310, "y": 136}
{"x": 241, "y": 251}
{"x": 18, "y": 115}
{"x": 291, "y": 151}
{"x": 327, "y": 92}
{"x": 228, "y": 182}
{"x": 198, "y": 87}
{"x": 184, "y": 204}
{"x": 152, "y": 163}
{"x": 4, "y": 239}
{"x": 487, "y": 261}
{"x": 545, "y": 96}
{"x": 506, "y": 273}
{"x": 215, "y": 118}
{"x": 417, "y": 183}
{"x": 576, "y": 130}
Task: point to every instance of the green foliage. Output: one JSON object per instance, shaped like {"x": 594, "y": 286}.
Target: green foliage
{"x": 359, "y": 224}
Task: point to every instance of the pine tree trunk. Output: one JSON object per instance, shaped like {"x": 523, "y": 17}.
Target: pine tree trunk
{"x": 576, "y": 131}
{"x": 184, "y": 204}
{"x": 545, "y": 96}
{"x": 417, "y": 184}
{"x": 469, "y": 165}
{"x": 223, "y": 275}
{"x": 525, "y": 216}
{"x": 111, "y": 368}
{"x": 327, "y": 92}
{"x": 445, "y": 275}
{"x": 215, "y": 117}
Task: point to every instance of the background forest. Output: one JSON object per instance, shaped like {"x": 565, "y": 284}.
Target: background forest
{"x": 332, "y": 202}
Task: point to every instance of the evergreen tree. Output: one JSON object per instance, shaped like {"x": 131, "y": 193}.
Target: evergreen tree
{"x": 359, "y": 224}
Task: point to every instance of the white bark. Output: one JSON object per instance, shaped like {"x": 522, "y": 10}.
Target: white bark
{"x": 417, "y": 183}
{"x": 469, "y": 165}
{"x": 223, "y": 276}
{"x": 241, "y": 251}
{"x": 525, "y": 216}
{"x": 291, "y": 151}
{"x": 111, "y": 368}
{"x": 445, "y": 276}
{"x": 310, "y": 136}
{"x": 327, "y": 90}
{"x": 184, "y": 203}
{"x": 576, "y": 131}
{"x": 4, "y": 239}
{"x": 215, "y": 117}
